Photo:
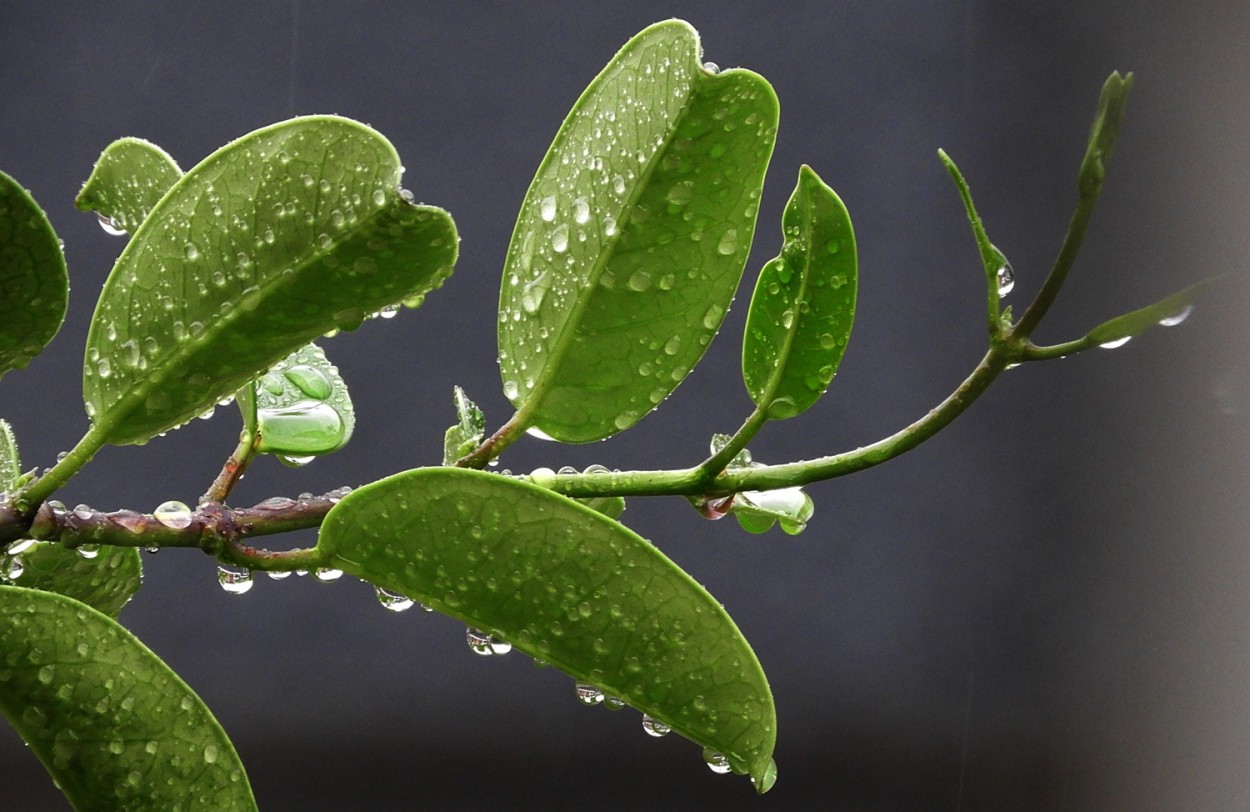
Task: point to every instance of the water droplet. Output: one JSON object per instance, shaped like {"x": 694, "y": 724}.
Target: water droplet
{"x": 192, "y": 252}
{"x": 672, "y": 346}
{"x": 13, "y": 568}
{"x": 510, "y": 390}
{"x": 639, "y": 281}
{"x": 110, "y": 228}
{"x": 20, "y": 546}
{"x": 173, "y": 514}
{"x": 88, "y": 551}
{"x": 560, "y": 239}
{"x": 210, "y": 753}
{"x": 681, "y": 193}
{"x": 716, "y": 762}
{"x": 233, "y": 580}
{"x": 609, "y": 225}
{"x": 278, "y": 575}
{"x": 711, "y": 67}
{"x": 787, "y": 319}
{"x": 392, "y": 601}
{"x": 83, "y": 512}
{"x": 538, "y": 433}
{"x": 533, "y": 292}
{"x": 310, "y": 380}
{"x": 484, "y": 644}
{"x": 295, "y": 461}
{"x": 547, "y": 208}
{"x": 827, "y": 341}
{"x": 613, "y": 702}
{"x": 1006, "y": 279}
{"x": 327, "y": 575}
{"x": 654, "y": 727}
{"x": 588, "y": 694}
{"x": 581, "y": 210}
{"x": 1177, "y": 317}
{"x": 711, "y": 318}
{"x": 1118, "y": 342}
{"x": 782, "y": 408}
{"x": 104, "y": 368}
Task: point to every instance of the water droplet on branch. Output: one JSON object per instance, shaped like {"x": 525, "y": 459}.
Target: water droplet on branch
{"x": 234, "y": 581}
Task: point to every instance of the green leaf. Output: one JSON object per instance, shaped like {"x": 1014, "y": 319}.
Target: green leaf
{"x": 1106, "y": 128}
{"x": 567, "y": 585}
{"x": 129, "y": 178}
{"x": 632, "y": 237}
{"x": 1165, "y": 313}
{"x": 33, "y": 281}
{"x": 276, "y": 238}
{"x": 115, "y": 727}
{"x": 757, "y": 511}
{"x": 10, "y": 462}
{"x": 469, "y": 431}
{"x": 105, "y": 582}
{"x": 300, "y": 407}
{"x": 804, "y": 303}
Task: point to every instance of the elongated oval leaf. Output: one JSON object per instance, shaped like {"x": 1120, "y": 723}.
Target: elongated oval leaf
{"x": 34, "y": 285}
{"x": 804, "y": 303}
{"x": 115, "y": 727}
{"x": 129, "y": 178}
{"x": 276, "y": 238}
{"x": 105, "y": 582}
{"x": 567, "y": 585}
{"x": 300, "y": 407}
{"x": 632, "y": 237}
{"x": 10, "y": 462}
{"x": 1164, "y": 313}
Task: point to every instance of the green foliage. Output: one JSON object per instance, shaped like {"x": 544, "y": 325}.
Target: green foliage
{"x": 563, "y": 583}
{"x": 33, "y": 278}
{"x": 276, "y": 238}
{"x": 633, "y": 236}
{"x": 628, "y": 249}
{"x": 115, "y": 727}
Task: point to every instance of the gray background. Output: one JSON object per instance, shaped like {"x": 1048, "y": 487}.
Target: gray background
{"x": 1046, "y": 607}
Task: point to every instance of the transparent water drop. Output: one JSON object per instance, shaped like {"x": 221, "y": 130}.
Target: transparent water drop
{"x": 278, "y": 575}
{"x": 192, "y": 251}
{"x": 711, "y": 67}
{"x": 88, "y": 551}
{"x": 538, "y": 433}
{"x": 294, "y": 461}
{"x": 1118, "y": 342}
{"x": 581, "y": 211}
{"x": 609, "y": 225}
{"x": 1177, "y": 317}
{"x": 484, "y": 644}
{"x": 83, "y": 512}
{"x": 560, "y": 239}
{"x": 393, "y": 601}
{"x": 20, "y": 546}
{"x": 327, "y": 575}
{"x": 389, "y": 312}
{"x": 1006, "y": 279}
{"x": 309, "y": 380}
{"x": 173, "y": 514}
{"x": 233, "y": 580}
{"x": 654, "y": 727}
{"x": 12, "y": 568}
{"x": 681, "y": 193}
{"x": 716, "y": 762}
{"x": 110, "y": 228}
{"x": 613, "y": 702}
{"x": 547, "y": 208}
{"x": 728, "y": 242}
{"x": 588, "y": 694}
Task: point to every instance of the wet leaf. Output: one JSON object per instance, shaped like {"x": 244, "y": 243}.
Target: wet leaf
{"x": 567, "y": 585}
{"x": 113, "y": 725}
{"x": 632, "y": 237}
{"x": 105, "y": 583}
{"x": 300, "y": 407}
{"x": 469, "y": 430}
{"x": 1165, "y": 313}
{"x": 34, "y": 285}
{"x": 129, "y": 178}
{"x": 10, "y": 462}
{"x": 804, "y": 303}
{"x": 758, "y": 511}
{"x": 289, "y": 232}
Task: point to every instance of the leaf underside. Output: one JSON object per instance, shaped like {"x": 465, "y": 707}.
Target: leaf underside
{"x": 566, "y": 585}
{"x": 632, "y": 237}
{"x": 289, "y": 232}
{"x": 34, "y": 285}
{"x": 803, "y": 308}
{"x": 115, "y": 727}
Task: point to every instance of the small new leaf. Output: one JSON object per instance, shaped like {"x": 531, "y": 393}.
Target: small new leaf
{"x": 567, "y": 585}
{"x": 632, "y": 237}
{"x": 129, "y": 178}
{"x": 289, "y": 232}
{"x": 803, "y": 308}
{"x": 33, "y": 278}
{"x": 469, "y": 430}
{"x": 10, "y": 461}
{"x": 1165, "y": 313}
{"x": 115, "y": 727}
{"x": 300, "y": 407}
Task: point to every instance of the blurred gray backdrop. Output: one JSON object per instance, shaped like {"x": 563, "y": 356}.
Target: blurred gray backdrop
{"x": 1046, "y": 607}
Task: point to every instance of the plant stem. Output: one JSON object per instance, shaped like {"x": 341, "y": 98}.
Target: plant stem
{"x": 234, "y": 468}
{"x": 30, "y": 499}
{"x": 717, "y": 463}
{"x": 494, "y": 445}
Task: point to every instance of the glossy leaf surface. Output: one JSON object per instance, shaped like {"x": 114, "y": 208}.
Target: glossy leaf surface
{"x": 105, "y": 583}
{"x": 804, "y": 303}
{"x": 567, "y": 585}
{"x": 469, "y": 430}
{"x": 10, "y": 462}
{"x": 34, "y": 285}
{"x": 1165, "y": 313}
{"x": 758, "y": 511}
{"x": 129, "y": 178}
{"x": 632, "y": 237}
{"x": 278, "y": 237}
{"x": 300, "y": 407}
{"x": 115, "y": 727}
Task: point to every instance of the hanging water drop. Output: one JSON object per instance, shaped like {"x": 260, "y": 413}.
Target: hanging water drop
{"x": 173, "y": 514}
{"x": 83, "y": 512}
{"x": 654, "y": 727}
{"x": 327, "y": 575}
{"x": 1177, "y": 317}
{"x": 278, "y": 575}
{"x": 393, "y": 601}
{"x": 88, "y": 551}
{"x": 716, "y": 762}
{"x": 484, "y": 644}
{"x": 234, "y": 581}
{"x": 1006, "y": 277}
{"x": 613, "y": 702}
{"x": 12, "y": 568}
{"x": 588, "y": 694}
{"x": 294, "y": 461}
{"x": 1117, "y": 342}
{"x": 110, "y": 227}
